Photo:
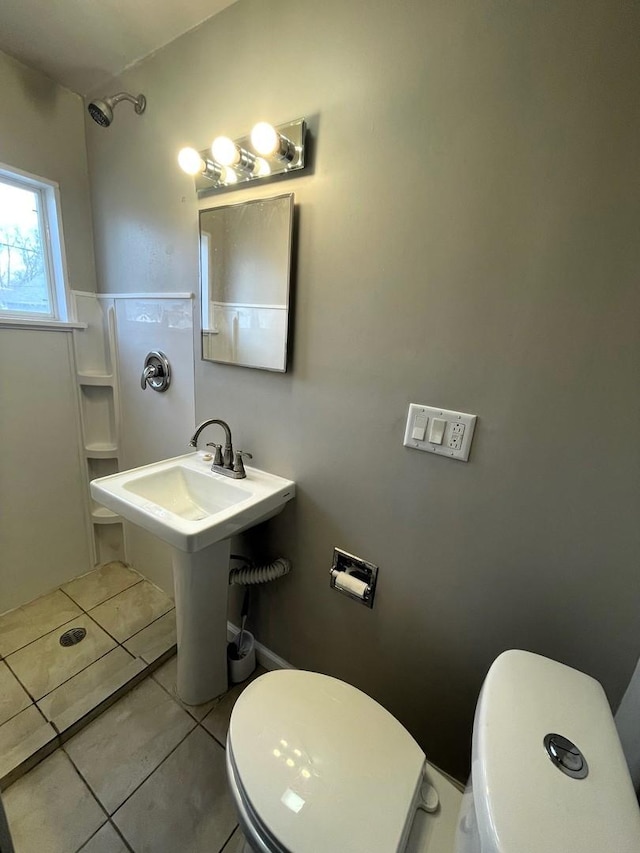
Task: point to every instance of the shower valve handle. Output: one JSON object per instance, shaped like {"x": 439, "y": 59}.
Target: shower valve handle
{"x": 156, "y": 372}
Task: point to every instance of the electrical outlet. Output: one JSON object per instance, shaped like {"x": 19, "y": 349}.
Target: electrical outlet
{"x": 455, "y": 441}
{"x": 458, "y": 431}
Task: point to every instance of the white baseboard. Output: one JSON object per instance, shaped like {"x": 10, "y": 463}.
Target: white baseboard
{"x": 265, "y": 657}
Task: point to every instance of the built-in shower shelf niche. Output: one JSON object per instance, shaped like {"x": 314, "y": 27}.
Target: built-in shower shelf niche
{"x": 102, "y": 515}
{"x": 102, "y": 466}
{"x": 97, "y": 407}
{"x": 97, "y": 382}
{"x": 101, "y": 450}
{"x": 109, "y": 542}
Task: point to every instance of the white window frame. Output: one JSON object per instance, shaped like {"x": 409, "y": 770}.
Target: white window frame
{"x": 50, "y": 221}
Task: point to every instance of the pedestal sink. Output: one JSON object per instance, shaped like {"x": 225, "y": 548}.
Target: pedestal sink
{"x": 196, "y": 511}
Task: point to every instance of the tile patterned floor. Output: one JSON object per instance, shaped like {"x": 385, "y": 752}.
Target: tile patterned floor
{"x": 47, "y": 691}
{"x": 146, "y": 776}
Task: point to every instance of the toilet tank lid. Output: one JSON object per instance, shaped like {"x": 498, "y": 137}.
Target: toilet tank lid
{"x": 524, "y": 802}
{"x": 323, "y": 765}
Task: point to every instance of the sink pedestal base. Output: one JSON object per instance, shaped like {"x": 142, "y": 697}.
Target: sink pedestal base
{"x": 201, "y": 583}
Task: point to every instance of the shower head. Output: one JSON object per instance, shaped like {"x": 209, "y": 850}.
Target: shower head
{"x": 101, "y": 109}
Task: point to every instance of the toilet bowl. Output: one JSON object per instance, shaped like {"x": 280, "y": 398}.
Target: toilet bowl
{"x": 288, "y": 774}
{"x": 317, "y": 766}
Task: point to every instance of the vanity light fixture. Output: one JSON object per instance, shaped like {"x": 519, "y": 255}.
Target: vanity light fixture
{"x": 268, "y": 151}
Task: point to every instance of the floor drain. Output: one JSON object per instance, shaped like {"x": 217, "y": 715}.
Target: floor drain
{"x": 73, "y": 636}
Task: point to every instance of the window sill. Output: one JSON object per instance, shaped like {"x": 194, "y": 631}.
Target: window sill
{"x": 46, "y": 325}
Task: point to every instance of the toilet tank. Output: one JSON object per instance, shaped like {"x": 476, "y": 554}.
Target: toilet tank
{"x": 548, "y": 774}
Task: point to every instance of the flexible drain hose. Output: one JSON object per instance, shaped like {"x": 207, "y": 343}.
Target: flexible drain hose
{"x": 248, "y": 575}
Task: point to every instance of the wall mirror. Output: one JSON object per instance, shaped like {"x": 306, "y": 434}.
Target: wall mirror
{"x": 245, "y": 266}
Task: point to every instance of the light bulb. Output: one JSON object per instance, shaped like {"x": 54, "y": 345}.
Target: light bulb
{"x": 265, "y": 139}
{"x": 190, "y": 161}
{"x": 225, "y": 151}
{"x": 262, "y": 168}
{"x": 228, "y": 176}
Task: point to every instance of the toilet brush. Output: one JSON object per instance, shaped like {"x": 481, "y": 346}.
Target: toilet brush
{"x": 242, "y": 651}
{"x": 243, "y": 621}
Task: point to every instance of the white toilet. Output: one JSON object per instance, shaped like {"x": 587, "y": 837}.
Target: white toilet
{"x": 316, "y": 766}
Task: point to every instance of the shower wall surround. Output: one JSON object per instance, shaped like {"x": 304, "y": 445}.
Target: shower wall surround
{"x": 154, "y": 426}
{"x": 43, "y": 533}
{"x": 468, "y": 238}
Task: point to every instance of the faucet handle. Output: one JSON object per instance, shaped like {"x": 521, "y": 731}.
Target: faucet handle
{"x": 217, "y": 456}
{"x": 238, "y": 464}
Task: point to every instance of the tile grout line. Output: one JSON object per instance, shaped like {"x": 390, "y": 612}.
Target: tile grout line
{"x": 211, "y": 735}
{"x": 108, "y": 633}
{"x": 120, "y": 835}
{"x": 13, "y": 716}
{"x": 106, "y": 630}
{"x": 110, "y": 823}
{"x": 134, "y": 680}
{"x": 153, "y": 621}
{"x": 217, "y": 700}
{"x": 28, "y": 692}
{"x": 95, "y": 797}
{"x": 200, "y": 723}
{"x": 91, "y": 791}
{"x": 108, "y": 598}
{"x": 229, "y": 838}
{"x": 50, "y": 631}
{"x": 135, "y": 633}
{"x": 79, "y": 672}
{"x": 149, "y": 775}
{"x": 80, "y": 615}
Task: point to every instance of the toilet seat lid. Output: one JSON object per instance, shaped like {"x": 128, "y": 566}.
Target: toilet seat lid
{"x": 323, "y": 765}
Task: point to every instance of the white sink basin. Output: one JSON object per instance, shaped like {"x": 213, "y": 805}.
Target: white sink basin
{"x": 184, "y": 503}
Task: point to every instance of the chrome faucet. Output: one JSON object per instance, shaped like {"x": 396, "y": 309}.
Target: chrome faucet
{"x": 228, "y": 462}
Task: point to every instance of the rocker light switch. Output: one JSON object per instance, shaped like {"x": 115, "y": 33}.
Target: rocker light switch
{"x": 436, "y": 433}
{"x": 420, "y": 426}
{"x": 449, "y": 434}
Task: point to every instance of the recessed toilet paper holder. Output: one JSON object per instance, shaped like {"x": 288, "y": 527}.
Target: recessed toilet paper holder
{"x": 353, "y": 576}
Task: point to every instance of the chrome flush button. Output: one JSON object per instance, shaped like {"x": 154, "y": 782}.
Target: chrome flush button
{"x": 566, "y": 756}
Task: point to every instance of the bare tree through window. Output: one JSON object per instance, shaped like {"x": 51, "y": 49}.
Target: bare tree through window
{"x": 23, "y": 277}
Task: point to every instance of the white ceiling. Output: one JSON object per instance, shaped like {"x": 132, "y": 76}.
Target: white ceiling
{"x": 82, "y": 43}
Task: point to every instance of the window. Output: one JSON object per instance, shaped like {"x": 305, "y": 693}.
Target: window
{"x": 32, "y": 280}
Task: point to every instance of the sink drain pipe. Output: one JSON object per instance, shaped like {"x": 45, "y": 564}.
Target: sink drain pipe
{"x": 249, "y": 574}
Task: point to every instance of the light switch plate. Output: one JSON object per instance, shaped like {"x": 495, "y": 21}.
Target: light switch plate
{"x": 458, "y": 431}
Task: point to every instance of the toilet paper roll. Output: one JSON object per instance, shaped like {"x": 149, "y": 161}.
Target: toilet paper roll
{"x": 351, "y": 584}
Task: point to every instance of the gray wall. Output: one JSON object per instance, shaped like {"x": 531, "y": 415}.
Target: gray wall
{"x": 468, "y": 239}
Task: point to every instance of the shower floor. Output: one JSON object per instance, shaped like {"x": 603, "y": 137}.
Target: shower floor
{"x": 117, "y": 628}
